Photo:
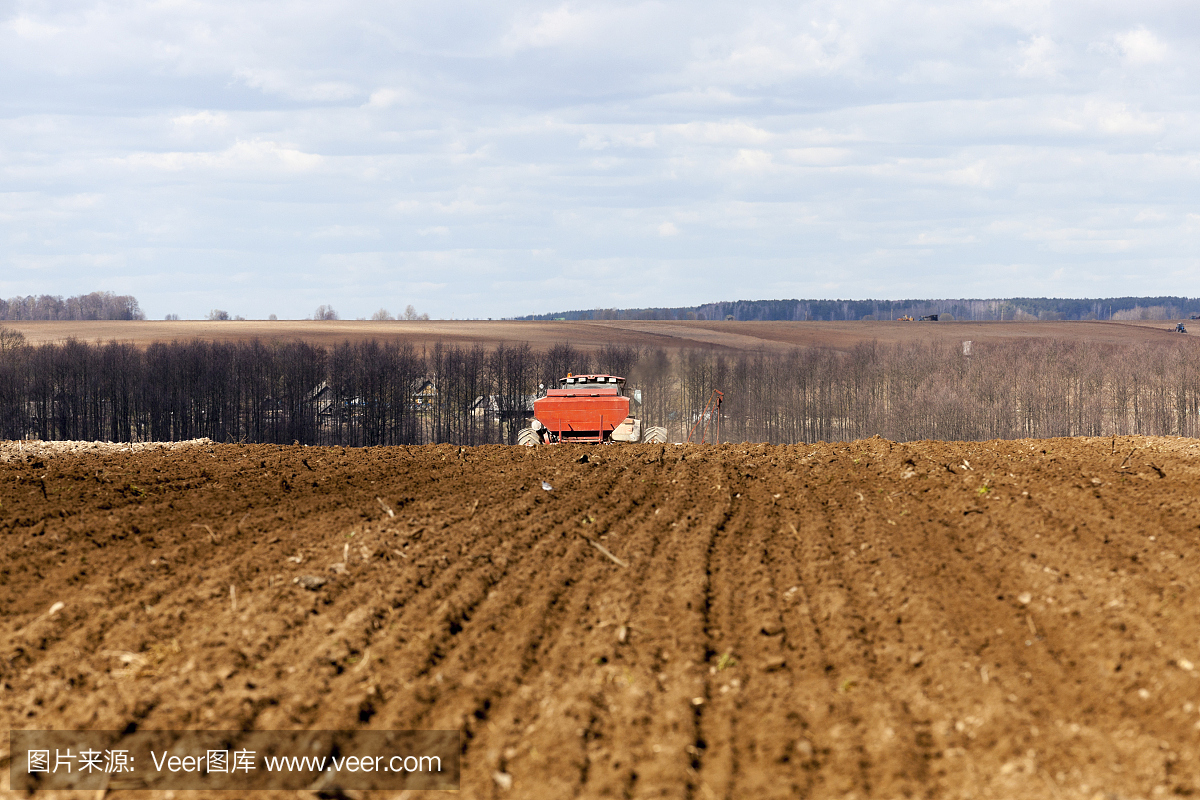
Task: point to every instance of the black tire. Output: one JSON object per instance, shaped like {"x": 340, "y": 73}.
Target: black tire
{"x": 528, "y": 437}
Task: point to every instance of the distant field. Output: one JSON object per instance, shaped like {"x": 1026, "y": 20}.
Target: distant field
{"x": 734, "y": 336}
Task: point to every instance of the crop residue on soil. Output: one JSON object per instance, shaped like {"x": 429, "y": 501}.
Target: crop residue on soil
{"x": 874, "y": 619}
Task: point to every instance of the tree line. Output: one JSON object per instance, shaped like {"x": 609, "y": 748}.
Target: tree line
{"x": 1026, "y": 388}
{"x": 978, "y": 310}
{"x": 94, "y": 306}
{"x": 354, "y": 393}
{"x": 387, "y": 393}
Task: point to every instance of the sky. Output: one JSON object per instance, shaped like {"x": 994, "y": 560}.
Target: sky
{"x": 491, "y": 159}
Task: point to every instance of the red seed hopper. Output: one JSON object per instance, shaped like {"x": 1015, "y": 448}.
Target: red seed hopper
{"x": 586, "y": 408}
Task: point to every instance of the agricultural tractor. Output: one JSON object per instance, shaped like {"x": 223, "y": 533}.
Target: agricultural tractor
{"x": 1180, "y": 329}
{"x": 587, "y": 409}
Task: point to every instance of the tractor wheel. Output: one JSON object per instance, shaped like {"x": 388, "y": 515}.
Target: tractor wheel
{"x": 528, "y": 437}
{"x": 655, "y": 435}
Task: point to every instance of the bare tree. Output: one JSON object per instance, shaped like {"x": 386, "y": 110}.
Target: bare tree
{"x": 10, "y": 340}
{"x": 382, "y": 315}
{"x": 325, "y": 313}
{"x": 410, "y": 313}
{"x": 217, "y": 315}
{"x": 94, "y": 306}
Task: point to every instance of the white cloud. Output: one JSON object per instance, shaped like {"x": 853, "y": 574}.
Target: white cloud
{"x": 722, "y": 132}
{"x": 818, "y": 156}
{"x": 603, "y": 141}
{"x": 386, "y": 98}
{"x": 299, "y": 87}
{"x": 668, "y": 229}
{"x": 940, "y": 238}
{"x": 346, "y": 231}
{"x": 753, "y": 160}
{"x": 28, "y": 28}
{"x": 241, "y": 155}
{"x": 594, "y": 141}
{"x": 766, "y": 50}
{"x": 610, "y": 28}
{"x": 1140, "y": 46}
{"x": 202, "y": 118}
{"x": 978, "y": 175}
{"x": 551, "y": 28}
{"x": 1096, "y": 115}
{"x": 1038, "y": 58}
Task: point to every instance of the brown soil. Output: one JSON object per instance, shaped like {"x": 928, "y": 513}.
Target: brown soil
{"x": 995, "y": 620}
{"x": 731, "y": 336}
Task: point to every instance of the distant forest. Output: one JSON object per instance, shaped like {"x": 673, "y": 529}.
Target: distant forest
{"x": 1015, "y": 308}
{"x": 94, "y": 306}
{"x": 109, "y": 306}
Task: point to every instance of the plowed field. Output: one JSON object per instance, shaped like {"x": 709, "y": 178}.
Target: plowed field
{"x": 670, "y": 336}
{"x": 999, "y": 619}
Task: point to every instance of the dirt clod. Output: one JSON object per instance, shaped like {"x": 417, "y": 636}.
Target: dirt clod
{"x": 310, "y": 582}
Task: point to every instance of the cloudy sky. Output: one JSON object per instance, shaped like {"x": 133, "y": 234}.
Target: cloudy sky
{"x": 495, "y": 159}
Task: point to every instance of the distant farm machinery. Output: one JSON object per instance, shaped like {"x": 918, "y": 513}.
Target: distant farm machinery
{"x": 587, "y": 409}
